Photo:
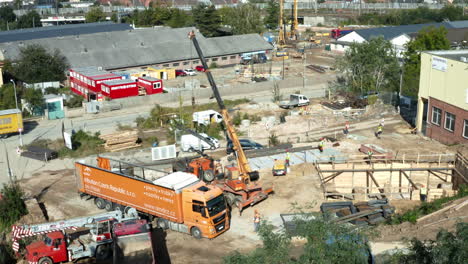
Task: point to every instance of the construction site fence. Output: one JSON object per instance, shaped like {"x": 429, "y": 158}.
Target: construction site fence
{"x": 287, "y": 5}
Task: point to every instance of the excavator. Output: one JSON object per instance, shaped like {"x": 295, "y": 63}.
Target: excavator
{"x": 238, "y": 182}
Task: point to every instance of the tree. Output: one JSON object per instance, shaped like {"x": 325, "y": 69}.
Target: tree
{"x": 326, "y": 242}
{"x": 179, "y": 18}
{"x": 448, "y": 248}
{"x": 272, "y": 17}
{"x": 207, "y": 20}
{"x": 12, "y": 206}
{"x": 243, "y": 19}
{"x": 7, "y": 14}
{"x": 31, "y": 19}
{"x": 35, "y": 99}
{"x": 35, "y": 64}
{"x": 7, "y": 97}
{"x": 370, "y": 66}
{"x": 429, "y": 38}
{"x": 95, "y": 15}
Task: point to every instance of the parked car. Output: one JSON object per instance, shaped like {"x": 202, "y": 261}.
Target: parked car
{"x": 190, "y": 72}
{"x": 200, "y": 68}
{"x": 180, "y": 73}
{"x": 246, "y": 144}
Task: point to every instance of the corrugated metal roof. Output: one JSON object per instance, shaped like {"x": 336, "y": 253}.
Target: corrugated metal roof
{"x": 9, "y": 111}
{"x": 140, "y": 47}
{"x": 149, "y": 78}
{"x": 61, "y": 31}
{"x": 392, "y": 32}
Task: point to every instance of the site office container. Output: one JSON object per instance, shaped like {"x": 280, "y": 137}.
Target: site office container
{"x": 11, "y": 121}
{"x": 179, "y": 201}
{"x": 119, "y": 88}
{"x": 97, "y": 81}
{"x": 150, "y": 85}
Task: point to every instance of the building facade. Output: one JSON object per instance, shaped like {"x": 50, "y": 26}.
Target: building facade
{"x": 443, "y": 96}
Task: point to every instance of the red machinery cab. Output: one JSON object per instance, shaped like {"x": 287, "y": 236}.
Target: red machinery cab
{"x": 52, "y": 249}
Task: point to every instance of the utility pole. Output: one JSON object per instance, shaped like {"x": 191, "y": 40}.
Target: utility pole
{"x": 283, "y": 67}
{"x": 20, "y": 130}
{"x": 304, "y": 55}
{"x": 10, "y": 175}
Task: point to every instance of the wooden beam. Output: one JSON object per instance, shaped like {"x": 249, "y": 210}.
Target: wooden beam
{"x": 376, "y": 184}
{"x": 331, "y": 177}
{"x": 391, "y": 169}
{"x": 461, "y": 175}
{"x": 431, "y": 172}
{"x": 407, "y": 177}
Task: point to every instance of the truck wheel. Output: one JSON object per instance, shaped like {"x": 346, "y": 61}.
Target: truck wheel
{"x": 230, "y": 199}
{"x": 196, "y": 233}
{"x": 163, "y": 224}
{"x": 100, "y": 203}
{"x": 102, "y": 252}
{"x": 108, "y": 205}
{"x": 212, "y": 147}
{"x": 45, "y": 260}
{"x": 208, "y": 176}
{"x": 191, "y": 150}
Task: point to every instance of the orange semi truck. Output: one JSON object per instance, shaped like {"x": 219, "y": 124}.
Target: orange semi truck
{"x": 178, "y": 201}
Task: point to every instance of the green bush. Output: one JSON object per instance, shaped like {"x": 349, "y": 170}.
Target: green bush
{"x": 427, "y": 208}
{"x": 213, "y": 65}
{"x": 372, "y": 99}
{"x": 84, "y": 144}
{"x": 273, "y": 140}
{"x": 74, "y": 101}
{"x": 12, "y": 206}
{"x": 236, "y": 119}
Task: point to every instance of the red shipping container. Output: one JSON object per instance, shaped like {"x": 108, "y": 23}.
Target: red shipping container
{"x": 151, "y": 85}
{"x": 119, "y": 88}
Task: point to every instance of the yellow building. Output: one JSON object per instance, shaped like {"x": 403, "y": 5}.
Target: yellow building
{"x": 162, "y": 73}
{"x": 443, "y": 96}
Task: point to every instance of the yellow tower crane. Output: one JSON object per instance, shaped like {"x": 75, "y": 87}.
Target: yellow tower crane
{"x": 281, "y": 40}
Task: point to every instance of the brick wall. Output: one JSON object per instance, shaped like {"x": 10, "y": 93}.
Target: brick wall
{"x": 441, "y": 134}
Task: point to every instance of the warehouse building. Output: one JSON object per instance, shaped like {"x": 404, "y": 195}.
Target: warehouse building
{"x": 443, "y": 96}
{"x": 126, "y": 48}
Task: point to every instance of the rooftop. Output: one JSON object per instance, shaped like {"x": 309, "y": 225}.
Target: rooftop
{"x": 9, "y": 111}
{"x": 395, "y": 31}
{"x": 457, "y": 55}
{"x": 60, "y": 31}
{"x": 117, "y": 82}
{"x": 139, "y": 47}
{"x": 149, "y": 78}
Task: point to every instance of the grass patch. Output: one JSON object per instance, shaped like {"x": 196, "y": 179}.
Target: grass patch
{"x": 426, "y": 208}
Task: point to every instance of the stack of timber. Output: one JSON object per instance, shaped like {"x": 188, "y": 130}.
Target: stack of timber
{"x": 120, "y": 141}
{"x": 362, "y": 213}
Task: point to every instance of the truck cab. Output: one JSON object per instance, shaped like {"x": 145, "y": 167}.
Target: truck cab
{"x": 52, "y": 249}
{"x": 205, "y": 210}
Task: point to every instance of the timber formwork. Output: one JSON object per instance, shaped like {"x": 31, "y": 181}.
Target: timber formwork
{"x": 394, "y": 179}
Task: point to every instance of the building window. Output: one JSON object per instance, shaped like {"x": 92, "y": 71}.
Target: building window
{"x": 465, "y": 129}
{"x": 436, "y": 116}
{"x": 449, "y": 121}
{"x": 186, "y": 62}
{"x": 223, "y": 58}
{"x": 214, "y": 59}
{"x": 157, "y": 85}
{"x": 165, "y": 65}
{"x": 195, "y": 62}
{"x": 233, "y": 57}
{"x": 175, "y": 64}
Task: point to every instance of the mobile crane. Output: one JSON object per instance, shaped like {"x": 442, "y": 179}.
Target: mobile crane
{"x": 77, "y": 238}
{"x": 239, "y": 183}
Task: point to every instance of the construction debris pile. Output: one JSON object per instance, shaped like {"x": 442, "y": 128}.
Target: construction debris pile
{"x": 120, "y": 141}
{"x": 361, "y": 213}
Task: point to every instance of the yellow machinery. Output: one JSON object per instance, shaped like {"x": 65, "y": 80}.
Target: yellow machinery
{"x": 281, "y": 40}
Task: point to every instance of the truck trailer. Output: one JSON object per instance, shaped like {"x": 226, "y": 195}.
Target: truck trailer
{"x": 177, "y": 201}
{"x": 11, "y": 121}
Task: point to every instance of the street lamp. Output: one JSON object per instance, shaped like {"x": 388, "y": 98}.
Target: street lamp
{"x": 16, "y": 103}
{"x": 10, "y": 175}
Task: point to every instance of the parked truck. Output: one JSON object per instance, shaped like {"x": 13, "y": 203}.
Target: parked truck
{"x": 79, "y": 238}
{"x": 11, "y": 121}
{"x": 177, "y": 201}
{"x": 191, "y": 143}
{"x": 295, "y": 100}
{"x": 207, "y": 117}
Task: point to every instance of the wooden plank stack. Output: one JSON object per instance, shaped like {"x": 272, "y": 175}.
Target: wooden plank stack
{"x": 120, "y": 141}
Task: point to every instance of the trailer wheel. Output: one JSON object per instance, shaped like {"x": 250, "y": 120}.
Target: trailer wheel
{"x": 108, "y": 205}
{"x": 208, "y": 176}
{"x": 119, "y": 207}
{"x": 196, "y": 233}
{"x": 100, "y": 203}
{"x": 45, "y": 260}
{"x": 102, "y": 252}
{"x": 163, "y": 224}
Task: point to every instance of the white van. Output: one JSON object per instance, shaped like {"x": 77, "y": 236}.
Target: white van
{"x": 190, "y": 142}
{"x": 207, "y": 117}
